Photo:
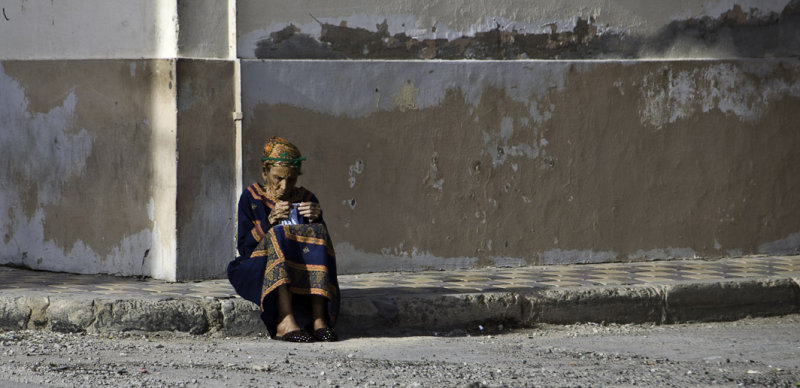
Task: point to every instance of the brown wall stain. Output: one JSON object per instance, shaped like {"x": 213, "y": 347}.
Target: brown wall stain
{"x": 108, "y": 201}
{"x": 601, "y": 180}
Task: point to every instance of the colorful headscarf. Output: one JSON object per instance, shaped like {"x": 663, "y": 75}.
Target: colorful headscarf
{"x": 279, "y": 152}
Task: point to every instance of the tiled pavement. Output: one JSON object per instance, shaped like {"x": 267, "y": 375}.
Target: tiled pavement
{"x": 27, "y": 282}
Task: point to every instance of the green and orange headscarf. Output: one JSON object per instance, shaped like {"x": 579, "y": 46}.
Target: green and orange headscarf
{"x": 280, "y": 152}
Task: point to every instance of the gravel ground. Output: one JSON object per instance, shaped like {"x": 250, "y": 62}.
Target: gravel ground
{"x": 751, "y": 352}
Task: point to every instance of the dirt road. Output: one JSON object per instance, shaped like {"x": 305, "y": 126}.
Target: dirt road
{"x": 748, "y": 352}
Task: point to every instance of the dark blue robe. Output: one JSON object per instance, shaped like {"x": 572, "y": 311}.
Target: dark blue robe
{"x": 299, "y": 256}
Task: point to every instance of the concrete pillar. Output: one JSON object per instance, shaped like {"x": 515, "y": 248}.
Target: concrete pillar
{"x": 118, "y": 165}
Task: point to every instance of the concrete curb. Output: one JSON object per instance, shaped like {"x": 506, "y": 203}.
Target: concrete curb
{"x": 618, "y": 304}
{"x": 694, "y": 301}
{"x": 729, "y": 300}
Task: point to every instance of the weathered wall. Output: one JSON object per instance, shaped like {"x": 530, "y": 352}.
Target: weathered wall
{"x": 447, "y": 164}
{"x": 38, "y": 29}
{"x": 87, "y": 182}
{"x": 206, "y": 202}
{"x": 117, "y": 165}
{"x": 130, "y": 166}
{"x": 517, "y": 29}
{"x": 206, "y": 28}
{"x": 104, "y": 29}
{"x": 628, "y": 151}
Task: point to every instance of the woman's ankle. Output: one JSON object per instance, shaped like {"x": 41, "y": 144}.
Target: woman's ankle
{"x": 286, "y": 325}
{"x": 320, "y": 323}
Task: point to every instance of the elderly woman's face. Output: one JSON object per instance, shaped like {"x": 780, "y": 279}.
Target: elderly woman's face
{"x": 280, "y": 180}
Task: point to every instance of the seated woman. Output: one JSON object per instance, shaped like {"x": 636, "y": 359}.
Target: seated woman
{"x": 286, "y": 262}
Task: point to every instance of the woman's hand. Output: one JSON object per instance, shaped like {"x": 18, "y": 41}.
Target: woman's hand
{"x": 280, "y": 212}
{"x": 310, "y": 210}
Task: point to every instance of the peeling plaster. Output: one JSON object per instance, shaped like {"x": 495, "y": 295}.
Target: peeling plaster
{"x": 75, "y": 191}
{"x": 433, "y": 175}
{"x": 396, "y": 25}
{"x": 46, "y": 138}
{"x": 465, "y": 17}
{"x": 352, "y": 204}
{"x": 30, "y": 138}
{"x": 719, "y": 7}
{"x": 502, "y": 40}
{"x": 355, "y": 169}
{"x": 406, "y": 98}
{"x": 516, "y": 30}
{"x": 499, "y": 149}
{"x": 41, "y": 153}
{"x": 739, "y": 90}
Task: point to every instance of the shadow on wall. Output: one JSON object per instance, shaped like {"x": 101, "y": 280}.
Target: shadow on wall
{"x": 735, "y": 33}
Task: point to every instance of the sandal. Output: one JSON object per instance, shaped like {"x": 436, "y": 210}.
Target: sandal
{"x": 326, "y": 334}
{"x": 296, "y": 336}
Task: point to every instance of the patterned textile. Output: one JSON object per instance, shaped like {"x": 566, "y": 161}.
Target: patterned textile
{"x": 280, "y": 152}
{"x": 297, "y": 255}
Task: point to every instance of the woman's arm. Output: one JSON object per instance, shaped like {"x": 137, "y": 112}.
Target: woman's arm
{"x": 251, "y": 228}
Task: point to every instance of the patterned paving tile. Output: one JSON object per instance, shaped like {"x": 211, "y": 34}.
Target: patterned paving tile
{"x": 475, "y": 280}
{"x": 562, "y": 283}
{"x": 703, "y": 276}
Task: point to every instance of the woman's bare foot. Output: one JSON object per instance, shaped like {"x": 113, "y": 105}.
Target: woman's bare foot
{"x": 286, "y": 322}
{"x": 286, "y": 325}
